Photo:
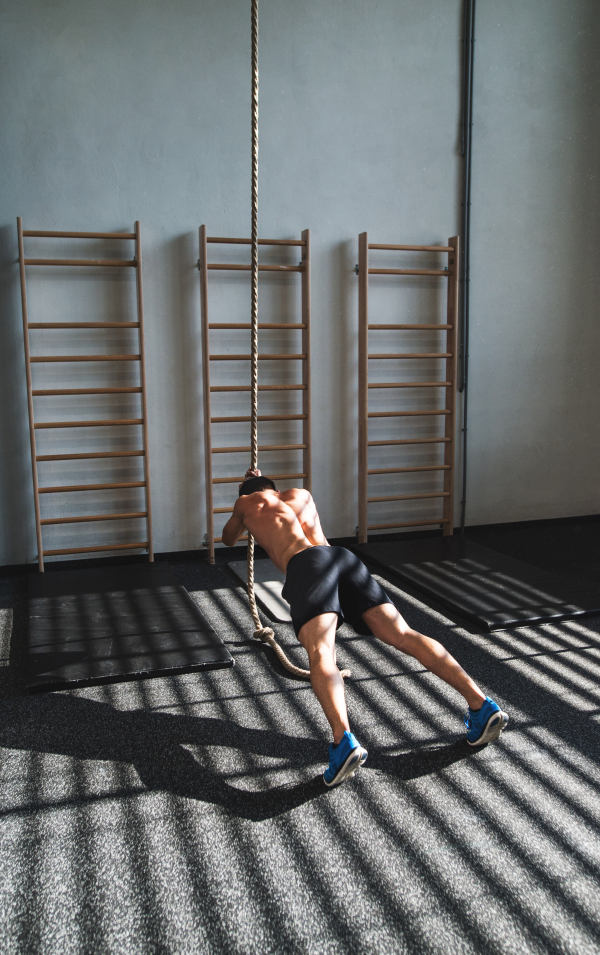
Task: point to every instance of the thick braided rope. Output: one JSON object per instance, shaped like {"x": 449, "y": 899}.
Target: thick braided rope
{"x": 254, "y": 240}
{"x": 261, "y": 633}
{"x": 265, "y": 634}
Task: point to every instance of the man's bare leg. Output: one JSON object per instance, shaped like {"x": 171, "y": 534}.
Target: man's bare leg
{"x": 318, "y": 639}
{"x": 390, "y": 627}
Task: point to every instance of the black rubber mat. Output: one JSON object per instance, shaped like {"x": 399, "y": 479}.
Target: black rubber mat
{"x": 493, "y": 590}
{"x": 111, "y": 624}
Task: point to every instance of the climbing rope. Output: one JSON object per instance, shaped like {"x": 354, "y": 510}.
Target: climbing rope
{"x": 260, "y": 633}
{"x": 265, "y": 634}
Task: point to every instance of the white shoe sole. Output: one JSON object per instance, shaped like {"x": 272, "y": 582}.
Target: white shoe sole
{"x": 492, "y": 729}
{"x": 354, "y": 761}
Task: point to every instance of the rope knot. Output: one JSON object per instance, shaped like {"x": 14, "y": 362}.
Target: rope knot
{"x": 264, "y": 633}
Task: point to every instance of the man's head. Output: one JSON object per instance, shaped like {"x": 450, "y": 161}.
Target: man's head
{"x": 256, "y": 484}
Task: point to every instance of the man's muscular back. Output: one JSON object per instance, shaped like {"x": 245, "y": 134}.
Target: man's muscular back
{"x": 282, "y": 522}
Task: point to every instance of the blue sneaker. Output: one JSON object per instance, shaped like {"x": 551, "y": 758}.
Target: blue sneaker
{"x": 486, "y": 724}
{"x": 344, "y": 760}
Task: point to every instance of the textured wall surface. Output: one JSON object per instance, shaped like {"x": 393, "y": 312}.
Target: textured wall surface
{"x": 115, "y": 112}
{"x": 535, "y": 388}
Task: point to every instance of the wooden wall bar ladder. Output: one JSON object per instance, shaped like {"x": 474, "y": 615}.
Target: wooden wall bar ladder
{"x": 303, "y": 386}
{"x": 447, "y": 385}
{"x": 138, "y": 357}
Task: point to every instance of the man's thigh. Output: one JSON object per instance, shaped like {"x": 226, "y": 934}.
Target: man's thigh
{"x": 388, "y": 625}
{"x": 319, "y": 632}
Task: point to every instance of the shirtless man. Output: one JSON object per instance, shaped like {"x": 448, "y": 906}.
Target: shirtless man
{"x": 326, "y": 585}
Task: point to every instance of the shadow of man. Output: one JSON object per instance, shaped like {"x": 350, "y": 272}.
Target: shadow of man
{"x": 155, "y": 744}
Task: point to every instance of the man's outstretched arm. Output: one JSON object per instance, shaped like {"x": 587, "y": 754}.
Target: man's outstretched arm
{"x": 234, "y": 527}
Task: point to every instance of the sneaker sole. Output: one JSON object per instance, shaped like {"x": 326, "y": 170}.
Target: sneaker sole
{"x": 492, "y": 729}
{"x": 354, "y": 761}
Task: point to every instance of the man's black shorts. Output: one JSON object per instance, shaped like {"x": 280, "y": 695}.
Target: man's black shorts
{"x": 325, "y": 579}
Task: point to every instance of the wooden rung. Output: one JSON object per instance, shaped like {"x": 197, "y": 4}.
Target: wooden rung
{"x": 260, "y": 325}
{"x": 90, "y": 550}
{"x": 263, "y": 417}
{"x": 89, "y": 487}
{"x": 377, "y": 444}
{"x": 90, "y": 454}
{"x": 225, "y": 241}
{"x": 221, "y": 241}
{"x": 260, "y": 388}
{"x": 377, "y": 527}
{"x": 219, "y": 540}
{"x": 436, "y": 326}
{"x": 433, "y": 354}
{"x": 89, "y": 424}
{"x": 96, "y": 517}
{"x": 284, "y": 357}
{"x": 85, "y": 391}
{"x": 261, "y": 268}
{"x": 264, "y": 447}
{"x": 412, "y": 384}
{"x": 83, "y": 325}
{"x": 222, "y": 510}
{"x": 405, "y": 414}
{"x": 409, "y": 272}
{"x": 413, "y": 248}
{"x": 117, "y": 263}
{"x": 407, "y": 497}
{"x": 274, "y": 477}
{"x": 87, "y": 358}
{"x": 423, "y": 467}
{"x": 79, "y": 235}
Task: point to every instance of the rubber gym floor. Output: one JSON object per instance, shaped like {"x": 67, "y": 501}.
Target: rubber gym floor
{"x": 187, "y": 814}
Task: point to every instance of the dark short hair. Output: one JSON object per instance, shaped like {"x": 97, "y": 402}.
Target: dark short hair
{"x": 257, "y": 484}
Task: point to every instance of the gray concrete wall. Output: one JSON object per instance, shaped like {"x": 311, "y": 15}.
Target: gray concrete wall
{"x": 535, "y": 345}
{"x": 115, "y": 112}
